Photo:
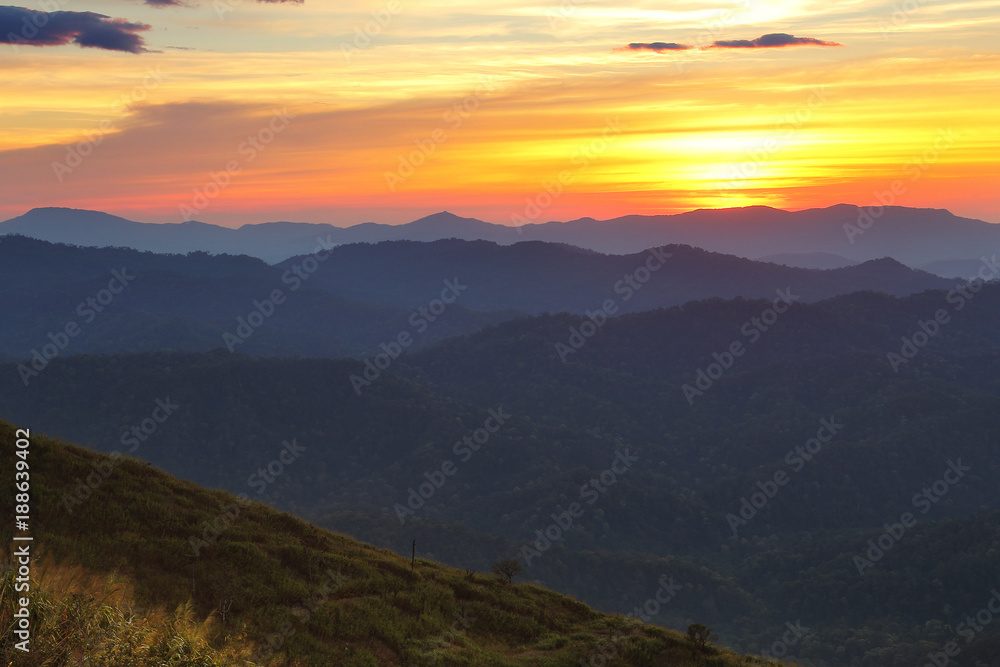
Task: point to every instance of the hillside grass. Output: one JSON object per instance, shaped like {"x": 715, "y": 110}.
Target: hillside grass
{"x": 151, "y": 570}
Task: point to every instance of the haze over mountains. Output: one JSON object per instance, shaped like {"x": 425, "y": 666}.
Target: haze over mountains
{"x": 920, "y": 238}
{"x": 361, "y": 295}
{"x": 361, "y": 455}
{"x": 714, "y": 374}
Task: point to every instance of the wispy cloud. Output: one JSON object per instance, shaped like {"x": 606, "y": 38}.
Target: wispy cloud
{"x": 775, "y": 39}
{"x": 231, "y": 3}
{"x": 659, "y": 47}
{"x": 28, "y": 27}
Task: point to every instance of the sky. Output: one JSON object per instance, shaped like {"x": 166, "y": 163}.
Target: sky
{"x": 236, "y": 111}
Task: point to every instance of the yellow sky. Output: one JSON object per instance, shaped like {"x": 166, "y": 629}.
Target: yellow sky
{"x": 324, "y": 114}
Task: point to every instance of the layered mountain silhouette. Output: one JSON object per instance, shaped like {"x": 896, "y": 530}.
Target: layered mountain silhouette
{"x": 810, "y": 260}
{"x": 709, "y": 371}
{"x": 538, "y": 277}
{"x": 918, "y": 238}
{"x": 362, "y": 295}
{"x": 891, "y": 434}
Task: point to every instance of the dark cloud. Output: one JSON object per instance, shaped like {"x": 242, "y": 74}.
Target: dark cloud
{"x": 222, "y": 6}
{"x": 659, "y": 47}
{"x": 770, "y": 41}
{"x": 29, "y": 27}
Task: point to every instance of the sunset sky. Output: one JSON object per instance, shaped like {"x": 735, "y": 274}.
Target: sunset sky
{"x": 660, "y": 108}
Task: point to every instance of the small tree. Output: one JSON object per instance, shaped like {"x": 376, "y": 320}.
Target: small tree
{"x": 224, "y": 606}
{"x": 699, "y": 635}
{"x": 507, "y": 568}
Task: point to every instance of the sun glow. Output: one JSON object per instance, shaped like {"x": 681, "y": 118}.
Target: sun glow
{"x": 495, "y": 103}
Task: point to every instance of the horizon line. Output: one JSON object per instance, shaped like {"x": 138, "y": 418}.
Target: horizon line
{"x": 531, "y": 223}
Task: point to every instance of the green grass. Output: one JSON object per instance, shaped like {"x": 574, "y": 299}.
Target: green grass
{"x": 116, "y": 581}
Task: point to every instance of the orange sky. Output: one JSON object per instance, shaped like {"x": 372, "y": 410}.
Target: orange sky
{"x": 506, "y": 101}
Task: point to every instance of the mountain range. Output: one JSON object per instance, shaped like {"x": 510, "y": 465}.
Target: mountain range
{"x": 350, "y": 299}
{"x": 931, "y": 239}
{"x": 392, "y": 462}
{"x": 753, "y": 433}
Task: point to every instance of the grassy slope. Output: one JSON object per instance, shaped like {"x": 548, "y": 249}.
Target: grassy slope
{"x": 120, "y": 569}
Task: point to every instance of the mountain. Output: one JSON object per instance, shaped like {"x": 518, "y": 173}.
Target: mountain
{"x": 350, "y": 300}
{"x": 704, "y": 428}
{"x": 93, "y": 228}
{"x": 442, "y": 225}
{"x": 915, "y": 237}
{"x": 912, "y": 236}
{"x": 811, "y": 260}
{"x": 957, "y": 268}
{"x": 77, "y": 300}
{"x": 536, "y": 277}
{"x": 148, "y": 570}
{"x": 271, "y": 241}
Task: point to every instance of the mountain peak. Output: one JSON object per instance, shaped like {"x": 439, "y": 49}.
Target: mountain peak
{"x": 448, "y": 215}
{"x": 447, "y": 220}
{"x": 65, "y": 211}
{"x": 77, "y": 219}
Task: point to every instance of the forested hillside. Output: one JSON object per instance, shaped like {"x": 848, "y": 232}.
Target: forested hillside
{"x": 125, "y": 578}
{"x": 759, "y": 490}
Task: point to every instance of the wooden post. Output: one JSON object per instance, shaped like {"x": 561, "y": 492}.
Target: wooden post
{"x": 413, "y": 556}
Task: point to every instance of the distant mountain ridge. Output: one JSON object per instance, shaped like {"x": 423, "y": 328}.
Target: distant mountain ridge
{"x": 188, "y": 302}
{"x": 918, "y": 238}
{"x": 810, "y": 260}
{"x": 364, "y": 295}
{"x": 821, "y": 361}
{"x": 536, "y": 277}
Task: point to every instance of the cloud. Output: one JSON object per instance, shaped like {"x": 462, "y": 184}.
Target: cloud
{"x": 770, "y": 41}
{"x": 766, "y": 41}
{"x": 29, "y": 27}
{"x": 659, "y": 47}
{"x": 227, "y": 5}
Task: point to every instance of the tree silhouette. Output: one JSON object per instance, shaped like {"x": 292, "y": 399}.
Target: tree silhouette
{"x": 699, "y": 635}
{"x": 507, "y": 568}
